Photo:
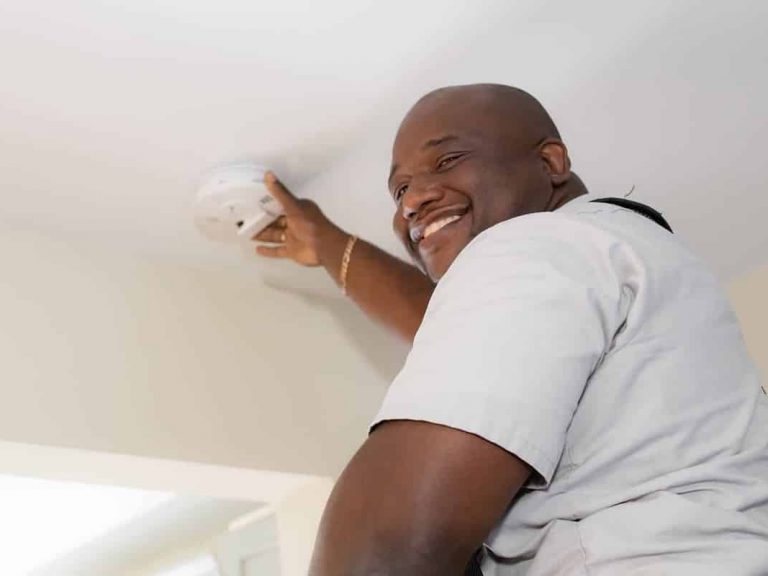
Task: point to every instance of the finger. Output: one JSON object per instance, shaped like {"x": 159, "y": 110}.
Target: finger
{"x": 272, "y": 236}
{"x": 288, "y": 201}
{"x": 272, "y": 233}
{"x": 276, "y": 236}
{"x": 272, "y": 251}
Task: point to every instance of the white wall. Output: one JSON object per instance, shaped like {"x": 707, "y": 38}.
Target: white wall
{"x": 748, "y": 294}
{"x": 298, "y": 520}
{"x": 107, "y": 352}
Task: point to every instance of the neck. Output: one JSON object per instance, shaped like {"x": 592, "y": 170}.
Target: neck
{"x": 572, "y": 188}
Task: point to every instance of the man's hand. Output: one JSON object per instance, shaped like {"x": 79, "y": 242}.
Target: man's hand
{"x": 303, "y": 234}
{"x": 387, "y": 289}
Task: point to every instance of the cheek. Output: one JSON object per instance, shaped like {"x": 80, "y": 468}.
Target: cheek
{"x": 400, "y": 228}
{"x": 397, "y": 224}
{"x": 503, "y": 198}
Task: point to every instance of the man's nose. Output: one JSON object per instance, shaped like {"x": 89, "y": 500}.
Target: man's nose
{"x": 417, "y": 196}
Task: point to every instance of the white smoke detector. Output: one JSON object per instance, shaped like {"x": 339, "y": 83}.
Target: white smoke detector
{"x": 233, "y": 203}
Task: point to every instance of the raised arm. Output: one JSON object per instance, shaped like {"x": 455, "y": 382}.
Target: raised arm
{"x": 388, "y": 290}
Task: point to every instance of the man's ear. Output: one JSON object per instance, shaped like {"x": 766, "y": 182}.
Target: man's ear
{"x": 554, "y": 154}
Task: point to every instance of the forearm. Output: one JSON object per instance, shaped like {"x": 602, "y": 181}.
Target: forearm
{"x": 387, "y": 289}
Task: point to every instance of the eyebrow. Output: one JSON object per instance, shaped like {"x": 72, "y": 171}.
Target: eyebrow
{"x": 437, "y": 141}
{"x": 431, "y": 143}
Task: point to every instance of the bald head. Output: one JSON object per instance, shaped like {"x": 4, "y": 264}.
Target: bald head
{"x": 513, "y": 114}
{"x": 466, "y": 158}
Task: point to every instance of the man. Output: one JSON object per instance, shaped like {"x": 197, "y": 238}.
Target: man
{"x": 577, "y": 400}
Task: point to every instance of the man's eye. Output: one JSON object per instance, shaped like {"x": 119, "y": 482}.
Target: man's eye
{"x": 399, "y": 191}
{"x": 446, "y": 160}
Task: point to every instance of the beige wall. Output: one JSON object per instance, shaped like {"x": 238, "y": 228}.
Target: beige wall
{"x": 749, "y": 295}
{"x": 298, "y": 520}
{"x": 107, "y": 352}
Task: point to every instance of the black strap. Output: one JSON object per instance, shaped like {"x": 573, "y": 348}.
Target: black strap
{"x": 473, "y": 567}
{"x": 641, "y": 209}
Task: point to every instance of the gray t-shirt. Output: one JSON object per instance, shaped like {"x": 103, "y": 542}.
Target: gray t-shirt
{"x": 593, "y": 345}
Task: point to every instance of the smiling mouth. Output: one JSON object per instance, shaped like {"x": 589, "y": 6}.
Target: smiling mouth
{"x": 417, "y": 235}
{"x": 435, "y": 226}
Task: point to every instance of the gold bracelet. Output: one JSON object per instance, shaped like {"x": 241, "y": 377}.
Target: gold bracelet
{"x": 345, "y": 263}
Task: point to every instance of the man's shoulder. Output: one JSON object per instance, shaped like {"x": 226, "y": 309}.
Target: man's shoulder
{"x": 593, "y": 229}
{"x": 593, "y": 244}
{"x": 533, "y": 255}
{"x": 540, "y": 234}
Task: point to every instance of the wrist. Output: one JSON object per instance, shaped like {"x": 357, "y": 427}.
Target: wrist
{"x": 351, "y": 241}
{"x": 331, "y": 250}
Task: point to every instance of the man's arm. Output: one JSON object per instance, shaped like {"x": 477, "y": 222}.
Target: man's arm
{"x": 416, "y": 500}
{"x": 387, "y": 289}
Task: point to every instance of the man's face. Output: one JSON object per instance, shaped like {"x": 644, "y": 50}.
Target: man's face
{"x": 457, "y": 170}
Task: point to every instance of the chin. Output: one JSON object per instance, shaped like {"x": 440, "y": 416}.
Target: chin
{"x": 438, "y": 266}
{"x": 436, "y": 262}
{"x": 435, "y": 275}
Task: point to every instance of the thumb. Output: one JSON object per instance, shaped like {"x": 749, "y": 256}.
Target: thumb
{"x": 280, "y": 193}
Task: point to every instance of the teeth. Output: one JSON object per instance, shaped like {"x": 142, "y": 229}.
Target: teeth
{"x": 435, "y": 226}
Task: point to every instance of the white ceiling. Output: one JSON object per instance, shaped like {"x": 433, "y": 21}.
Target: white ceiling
{"x": 110, "y": 110}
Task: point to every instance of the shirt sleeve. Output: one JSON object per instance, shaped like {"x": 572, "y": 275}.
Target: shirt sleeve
{"x": 511, "y": 335}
